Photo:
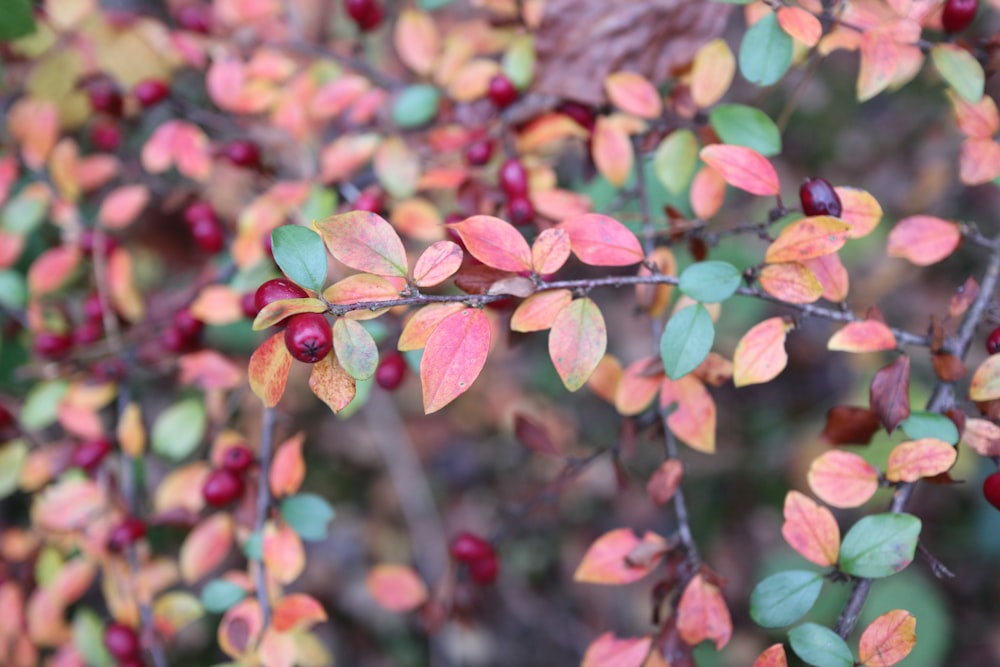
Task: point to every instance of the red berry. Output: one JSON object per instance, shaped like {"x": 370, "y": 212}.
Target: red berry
{"x": 276, "y": 290}
{"x": 958, "y": 14}
{"x": 51, "y": 345}
{"x": 521, "y": 210}
{"x": 308, "y": 337}
{"x": 502, "y": 92}
{"x": 369, "y": 200}
{"x": 150, "y": 92}
{"x": 237, "y": 458}
{"x": 199, "y": 211}
{"x": 208, "y": 235}
{"x": 126, "y": 534}
{"x": 90, "y": 454}
{"x": 484, "y": 570}
{"x": 391, "y": 371}
{"x": 92, "y": 308}
{"x": 222, "y": 487}
{"x": 580, "y": 113}
{"x": 187, "y": 324}
{"x": 242, "y": 154}
{"x": 366, "y": 13}
{"x": 89, "y": 243}
{"x": 514, "y": 178}
{"x": 88, "y": 332}
{"x": 468, "y": 548}
{"x": 175, "y": 341}
{"x": 819, "y": 198}
{"x": 479, "y": 153}
{"x": 6, "y": 418}
{"x": 104, "y": 96}
{"x": 105, "y": 136}
{"x": 248, "y": 305}
{"x": 132, "y": 661}
{"x": 993, "y": 341}
{"x": 991, "y": 489}
{"x": 121, "y": 641}
{"x": 196, "y": 18}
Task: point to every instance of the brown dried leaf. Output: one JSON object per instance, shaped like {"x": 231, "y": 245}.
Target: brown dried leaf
{"x": 890, "y": 393}
{"x": 849, "y": 425}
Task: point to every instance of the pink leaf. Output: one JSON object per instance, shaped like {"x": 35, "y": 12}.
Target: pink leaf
{"x": 494, "y": 242}
{"x": 602, "y": 241}
{"x": 743, "y": 168}
{"x": 453, "y": 357}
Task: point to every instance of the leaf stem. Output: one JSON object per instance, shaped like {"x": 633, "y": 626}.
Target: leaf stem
{"x": 263, "y": 506}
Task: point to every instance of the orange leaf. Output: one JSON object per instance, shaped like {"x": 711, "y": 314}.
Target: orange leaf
{"x": 982, "y": 436}
{"x": 712, "y": 73}
{"x": 342, "y": 158}
{"x": 453, "y": 357}
{"x": 760, "y": 355}
{"x": 693, "y": 422}
{"x": 607, "y": 559}
{"x": 396, "y": 587}
{"x": 331, "y": 383}
{"x": 297, "y": 611}
{"x": 361, "y": 288}
{"x": 811, "y": 529}
{"x": 288, "y": 468}
{"x": 577, "y": 342}
{"x": 539, "y": 311}
{"x": 416, "y": 40}
{"x": 923, "y": 239}
{"x": 494, "y": 242}
{"x": 743, "y": 168}
{"x": 209, "y": 370}
{"x": 810, "y": 237}
{"x": 800, "y": 24}
{"x": 123, "y": 205}
{"x": 611, "y": 149}
{"x": 634, "y": 94}
{"x": 702, "y": 614}
{"x": 976, "y": 121}
{"x": 240, "y": 628}
{"x": 842, "y": 479}
{"x": 437, "y": 263}
{"x": 219, "y": 304}
{"x": 364, "y": 241}
{"x": 609, "y": 651}
{"x": 791, "y": 282}
{"x": 422, "y": 323}
{"x": 121, "y": 282}
{"x": 418, "y": 219}
{"x": 867, "y": 336}
{"x": 547, "y": 131}
{"x": 34, "y": 125}
{"x": 181, "y": 489}
{"x": 832, "y": 275}
{"x": 708, "y": 191}
{"x": 888, "y": 639}
{"x": 606, "y": 377}
{"x": 664, "y": 481}
{"x": 639, "y": 385}
{"x": 130, "y": 432}
{"x": 206, "y": 547}
{"x": 68, "y": 504}
{"x": 879, "y": 60}
{"x": 63, "y": 163}
{"x": 284, "y": 556}
{"x": 268, "y": 370}
{"x": 654, "y": 298}
{"x": 550, "y": 251}
{"x": 985, "y": 384}
{"x": 53, "y": 269}
{"x": 773, "y": 656}
{"x": 926, "y": 457}
{"x": 602, "y": 241}
{"x": 859, "y": 210}
{"x": 397, "y": 167}
{"x": 979, "y": 161}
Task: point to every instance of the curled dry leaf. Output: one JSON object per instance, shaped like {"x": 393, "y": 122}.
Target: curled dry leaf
{"x": 664, "y": 481}
{"x": 890, "y": 393}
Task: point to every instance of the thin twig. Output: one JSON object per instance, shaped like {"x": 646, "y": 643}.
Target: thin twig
{"x": 263, "y": 507}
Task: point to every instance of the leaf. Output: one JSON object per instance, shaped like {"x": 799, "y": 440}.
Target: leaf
{"x": 534, "y": 436}
{"x": 519, "y": 60}
{"x": 179, "y": 429}
{"x": 550, "y": 251}
{"x": 693, "y": 421}
{"x": 300, "y": 254}
{"x": 760, "y": 355}
{"x": 819, "y": 646}
{"x": 219, "y": 595}
{"x": 577, "y": 341}
{"x": 860, "y": 210}
{"x": 879, "y": 61}
{"x": 654, "y": 298}
{"x": 268, "y": 370}
{"x": 985, "y": 384}
{"x": 888, "y": 639}
{"x": 365, "y": 242}
{"x": 773, "y": 656}
{"x": 766, "y": 52}
{"x": 800, "y": 24}
{"x": 867, "y": 336}
{"x": 810, "y": 237}
{"x": 122, "y": 206}
{"x": 494, "y": 242}
{"x": 811, "y": 530}
{"x": 712, "y": 72}
{"x": 979, "y": 161}
{"x": 358, "y": 289}
{"x": 639, "y": 384}
{"x": 122, "y": 283}
{"x": 416, "y": 40}
{"x": 792, "y": 282}
{"x": 437, "y": 263}
{"x": 240, "y": 629}
{"x": 607, "y": 559}
{"x": 633, "y": 93}
{"x": 539, "y": 311}
{"x": 131, "y": 433}
{"x": 675, "y": 160}
{"x": 53, "y": 269}
{"x": 415, "y": 105}
{"x": 960, "y": 70}
{"x": 331, "y": 383}
{"x": 710, "y": 281}
{"x": 175, "y": 611}
{"x": 355, "y": 348}
{"x": 686, "y": 340}
{"x": 923, "y": 239}
{"x": 890, "y": 393}
{"x": 665, "y": 481}
{"x": 708, "y": 191}
{"x": 926, "y": 457}
{"x": 741, "y": 125}
{"x": 611, "y": 149}
{"x": 702, "y": 614}
{"x": 279, "y": 310}
{"x": 977, "y": 119}
{"x": 424, "y": 320}
{"x": 18, "y": 20}
{"x": 297, "y": 611}
{"x": 842, "y": 479}
{"x": 417, "y": 218}
{"x": 609, "y": 651}
{"x": 982, "y": 436}
{"x": 206, "y": 547}
{"x": 784, "y": 598}
{"x": 849, "y": 425}
{"x": 879, "y": 545}
{"x": 283, "y": 554}
{"x": 396, "y": 588}
{"x": 308, "y": 515}
{"x": 346, "y": 155}
{"x": 922, "y": 424}
{"x": 743, "y": 168}
{"x": 288, "y": 468}
{"x": 13, "y": 455}
{"x": 453, "y": 357}
{"x": 599, "y": 240}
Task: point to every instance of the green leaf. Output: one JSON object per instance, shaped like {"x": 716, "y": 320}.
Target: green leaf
{"x": 416, "y": 105}
{"x": 675, "y": 160}
{"x": 253, "y": 548}
{"x": 13, "y": 290}
{"x": 22, "y": 214}
{"x": 819, "y": 646}
{"x": 308, "y": 515}
{"x": 711, "y": 281}
{"x": 88, "y": 638}
{"x": 784, "y": 598}
{"x": 16, "y": 20}
{"x": 219, "y": 595}
{"x": 355, "y": 348}
{"x": 179, "y": 429}
{"x": 922, "y": 424}
{"x": 766, "y": 52}
{"x": 960, "y": 70}
{"x": 686, "y": 341}
{"x": 12, "y": 457}
{"x": 42, "y": 404}
{"x": 879, "y": 545}
{"x": 745, "y": 126}
{"x": 431, "y": 5}
{"x": 301, "y": 254}
{"x": 321, "y": 204}
{"x": 519, "y": 61}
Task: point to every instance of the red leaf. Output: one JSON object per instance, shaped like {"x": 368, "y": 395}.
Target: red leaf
{"x": 890, "y": 393}
{"x": 494, "y": 242}
{"x": 791, "y": 282}
{"x": 708, "y": 192}
{"x": 577, "y": 342}
{"x": 811, "y": 529}
{"x": 364, "y": 241}
{"x": 702, "y": 614}
{"x": 800, "y": 24}
{"x": 269, "y": 367}
{"x": 602, "y": 241}
{"x": 288, "y": 468}
{"x": 773, "y": 656}
{"x": 284, "y": 555}
{"x": 453, "y": 357}
{"x": 760, "y": 355}
{"x": 810, "y": 237}
{"x": 926, "y": 457}
{"x": 743, "y": 168}
{"x": 123, "y": 205}
{"x": 693, "y": 421}
{"x": 609, "y": 651}
{"x": 550, "y": 251}
{"x": 923, "y": 239}
{"x": 879, "y": 58}
{"x": 634, "y": 94}
{"x": 979, "y": 161}
{"x": 867, "y": 336}
{"x": 297, "y": 611}
{"x": 396, "y": 587}
{"x": 607, "y": 559}
{"x": 888, "y": 639}
{"x": 52, "y": 269}
{"x": 849, "y": 425}
{"x": 665, "y": 481}
{"x": 842, "y": 479}
{"x": 611, "y": 149}
{"x": 436, "y": 264}
{"x": 533, "y": 436}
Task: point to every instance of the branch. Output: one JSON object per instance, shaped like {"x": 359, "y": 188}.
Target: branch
{"x": 263, "y": 506}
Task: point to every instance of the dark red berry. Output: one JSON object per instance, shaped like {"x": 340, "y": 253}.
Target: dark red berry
{"x": 126, "y": 534}
{"x": 479, "y": 153}
{"x": 308, "y": 337}
{"x": 104, "y": 96}
{"x": 175, "y": 341}
{"x": 237, "y": 458}
{"x": 89, "y": 242}
{"x": 222, "y": 487}
{"x": 105, "y": 136}
{"x": 391, "y": 370}
{"x": 51, "y": 345}
{"x": 484, "y": 570}
{"x": 6, "y": 418}
{"x": 133, "y": 661}
{"x": 958, "y": 14}
{"x": 520, "y": 210}
{"x": 502, "y": 91}
{"x": 993, "y": 341}
{"x": 150, "y": 92}
{"x": 121, "y": 641}
{"x": 87, "y": 332}
{"x": 248, "y": 305}
{"x": 208, "y": 235}
{"x": 196, "y": 18}
{"x": 514, "y": 178}
{"x": 276, "y": 290}
{"x": 991, "y": 489}
{"x": 367, "y": 14}
{"x": 242, "y": 154}
{"x": 90, "y": 454}
{"x": 819, "y": 198}
{"x": 199, "y": 211}
{"x": 187, "y": 324}
{"x": 369, "y": 200}
{"x": 580, "y": 113}
{"x": 466, "y": 548}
